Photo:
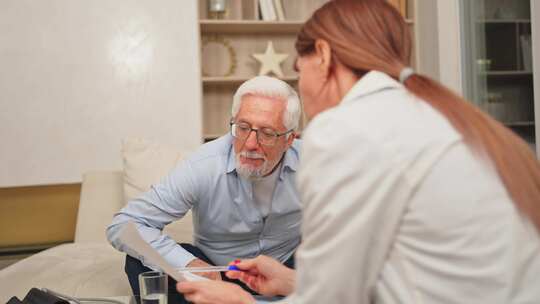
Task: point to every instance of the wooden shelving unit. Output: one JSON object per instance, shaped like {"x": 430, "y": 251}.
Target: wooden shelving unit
{"x": 252, "y": 26}
{"x": 246, "y": 34}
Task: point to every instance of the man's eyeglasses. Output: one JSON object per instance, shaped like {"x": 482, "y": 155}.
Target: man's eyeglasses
{"x": 265, "y": 136}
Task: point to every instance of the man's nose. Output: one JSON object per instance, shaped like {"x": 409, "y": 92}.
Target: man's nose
{"x": 251, "y": 141}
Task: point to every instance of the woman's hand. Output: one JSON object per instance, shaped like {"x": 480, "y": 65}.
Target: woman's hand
{"x": 264, "y": 275}
{"x": 210, "y": 292}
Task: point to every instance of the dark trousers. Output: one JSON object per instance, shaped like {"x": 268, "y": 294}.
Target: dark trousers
{"x": 134, "y": 267}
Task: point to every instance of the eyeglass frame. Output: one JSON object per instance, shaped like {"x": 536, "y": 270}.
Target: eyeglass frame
{"x": 276, "y": 136}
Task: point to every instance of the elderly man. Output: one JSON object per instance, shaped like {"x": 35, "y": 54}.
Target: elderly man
{"x": 240, "y": 188}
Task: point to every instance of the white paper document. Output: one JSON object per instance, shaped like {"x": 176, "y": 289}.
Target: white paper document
{"x": 131, "y": 238}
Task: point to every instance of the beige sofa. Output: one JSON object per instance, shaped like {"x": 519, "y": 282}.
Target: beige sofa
{"x": 90, "y": 267}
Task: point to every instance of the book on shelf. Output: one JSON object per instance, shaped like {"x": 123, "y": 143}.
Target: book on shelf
{"x": 268, "y": 12}
{"x": 279, "y": 10}
{"x": 526, "y": 52}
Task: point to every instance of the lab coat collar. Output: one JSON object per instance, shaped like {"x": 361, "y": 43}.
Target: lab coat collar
{"x": 370, "y": 83}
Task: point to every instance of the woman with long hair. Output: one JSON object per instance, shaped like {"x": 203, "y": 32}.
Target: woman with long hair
{"x": 410, "y": 193}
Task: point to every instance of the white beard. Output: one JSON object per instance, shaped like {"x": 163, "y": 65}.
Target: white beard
{"x": 248, "y": 171}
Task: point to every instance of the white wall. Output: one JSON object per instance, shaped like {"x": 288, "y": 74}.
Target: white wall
{"x": 77, "y": 76}
{"x": 450, "y": 58}
{"x": 427, "y": 37}
{"x": 439, "y": 41}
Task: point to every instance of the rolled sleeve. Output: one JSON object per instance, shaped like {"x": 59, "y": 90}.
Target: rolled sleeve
{"x": 165, "y": 202}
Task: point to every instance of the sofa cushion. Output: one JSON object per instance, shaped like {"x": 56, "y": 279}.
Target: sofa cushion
{"x": 145, "y": 163}
{"x": 76, "y": 269}
{"x": 101, "y": 197}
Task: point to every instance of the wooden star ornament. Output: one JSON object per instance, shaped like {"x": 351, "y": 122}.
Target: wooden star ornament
{"x": 270, "y": 61}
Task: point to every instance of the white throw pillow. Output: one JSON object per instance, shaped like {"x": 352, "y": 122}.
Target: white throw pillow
{"x": 145, "y": 163}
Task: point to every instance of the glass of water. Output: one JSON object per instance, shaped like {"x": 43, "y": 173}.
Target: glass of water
{"x": 153, "y": 287}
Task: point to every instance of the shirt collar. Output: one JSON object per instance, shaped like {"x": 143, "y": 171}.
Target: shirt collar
{"x": 373, "y": 81}
{"x": 290, "y": 159}
{"x": 231, "y": 161}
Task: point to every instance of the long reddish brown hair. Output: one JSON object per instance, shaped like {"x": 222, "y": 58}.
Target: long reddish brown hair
{"x": 367, "y": 35}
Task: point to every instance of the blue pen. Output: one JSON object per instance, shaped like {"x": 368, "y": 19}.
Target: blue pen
{"x": 209, "y": 269}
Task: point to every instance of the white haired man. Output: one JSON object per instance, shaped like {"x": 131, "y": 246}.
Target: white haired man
{"x": 240, "y": 188}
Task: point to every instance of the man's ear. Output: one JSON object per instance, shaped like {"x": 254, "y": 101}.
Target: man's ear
{"x": 324, "y": 55}
{"x": 291, "y": 138}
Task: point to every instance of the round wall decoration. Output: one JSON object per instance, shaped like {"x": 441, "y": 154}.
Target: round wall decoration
{"x": 220, "y": 58}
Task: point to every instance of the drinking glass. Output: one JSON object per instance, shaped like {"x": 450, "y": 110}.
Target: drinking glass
{"x": 153, "y": 287}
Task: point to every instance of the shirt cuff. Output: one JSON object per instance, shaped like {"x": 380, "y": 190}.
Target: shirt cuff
{"x": 179, "y": 257}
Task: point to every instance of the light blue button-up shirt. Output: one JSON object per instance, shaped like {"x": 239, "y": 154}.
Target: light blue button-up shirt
{"x": 227, "y": 223}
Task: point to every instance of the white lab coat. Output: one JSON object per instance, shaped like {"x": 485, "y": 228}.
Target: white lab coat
{"x": 397, "y": 209}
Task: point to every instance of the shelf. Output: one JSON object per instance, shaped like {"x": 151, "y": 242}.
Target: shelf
{"x": 248, "y": 35}
{"x": 519, "y": 124}
{"x": 249, "y": 26}
{"x": 252, "y": 26}
{"x": 506, "y": 73}
{"x": 504, "y": 21}
{"x": 237, "y": 80}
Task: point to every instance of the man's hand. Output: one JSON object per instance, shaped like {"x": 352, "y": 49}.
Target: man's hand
{"x": 216, "y": 276}
{"x": 210, "y": 292}
{"x": 264, "y": 275}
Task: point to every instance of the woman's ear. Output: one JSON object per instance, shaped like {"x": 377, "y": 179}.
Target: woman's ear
{"x": 324, "y": 55}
